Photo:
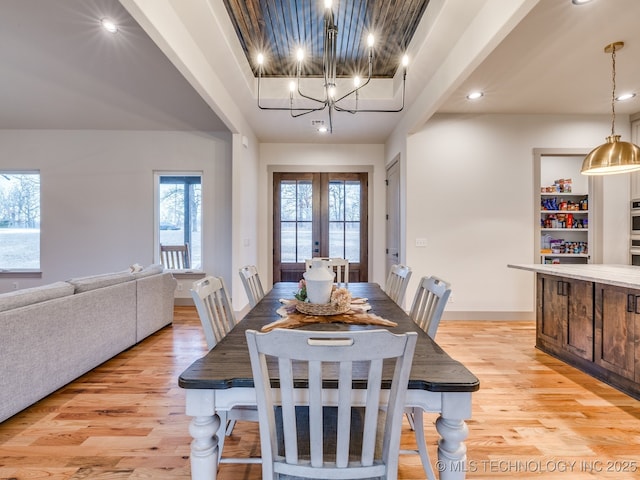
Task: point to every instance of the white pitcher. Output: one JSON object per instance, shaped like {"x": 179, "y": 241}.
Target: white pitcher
{"x": 319, "y": 281}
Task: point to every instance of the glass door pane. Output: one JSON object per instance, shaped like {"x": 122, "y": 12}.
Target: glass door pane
{"x": 296, "y": 220}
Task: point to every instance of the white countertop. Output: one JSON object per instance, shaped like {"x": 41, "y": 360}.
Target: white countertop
{"x": 619, "y": 275}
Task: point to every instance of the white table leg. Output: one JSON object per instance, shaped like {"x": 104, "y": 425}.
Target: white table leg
{"x": 204, "y": 429}
{"x": 204, "y": 447}
{"x": 452, "y": 452}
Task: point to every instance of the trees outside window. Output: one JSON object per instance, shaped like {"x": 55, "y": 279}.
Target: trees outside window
{"x": 19, "y": 220}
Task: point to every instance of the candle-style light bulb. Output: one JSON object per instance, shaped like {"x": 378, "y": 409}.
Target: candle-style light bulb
{"x": 260, "y": 59}
{"x": 356, "y": 81}
{"x": 327, "y": 3}
{"x": 300, "y": 55}
{"x": 405, "y": 61}
{"x": 370, "y": 40}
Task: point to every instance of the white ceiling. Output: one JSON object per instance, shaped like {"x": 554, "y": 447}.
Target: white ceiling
{"x": 59, "y": 70}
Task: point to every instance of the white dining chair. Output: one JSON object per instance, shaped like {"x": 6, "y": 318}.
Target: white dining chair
{"x": 252, "y": 284}
{"x": 340, "y": 266}
{"x": 426, "y": 311}
{"x": 397, "y": 281}
{"x": 218, "y": 319}
{"x": 317, "y": 354}
{"x": 175, "y": 257}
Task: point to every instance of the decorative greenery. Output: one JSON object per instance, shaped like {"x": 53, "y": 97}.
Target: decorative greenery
{"x": 301, "y": 294}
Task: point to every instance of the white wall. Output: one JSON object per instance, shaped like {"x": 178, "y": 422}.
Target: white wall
{"x": 246, "y": 236}
{"x": 469, "y": 193}
{"x": 97, "y": 195}
{"x": 324, "y": 158}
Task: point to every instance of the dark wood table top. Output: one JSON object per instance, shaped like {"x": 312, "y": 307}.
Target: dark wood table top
{"x": 227, "y": 364}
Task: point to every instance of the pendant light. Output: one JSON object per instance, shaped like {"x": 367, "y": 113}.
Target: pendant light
{"x": 614, "y": 156}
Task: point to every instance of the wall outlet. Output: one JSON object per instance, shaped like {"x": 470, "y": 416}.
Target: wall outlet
{"x": 179, "y": 286}
{"x": 451, "y": 298}
{"x": 14, "y": 285}
{"x": 421, "y": 242}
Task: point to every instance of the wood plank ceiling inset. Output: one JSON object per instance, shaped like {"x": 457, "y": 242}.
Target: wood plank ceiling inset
{"x": 277, "y": 28}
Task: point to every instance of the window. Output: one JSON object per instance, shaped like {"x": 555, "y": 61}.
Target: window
{"x": 179, "y": 213}
{"x": 19, "y": 220}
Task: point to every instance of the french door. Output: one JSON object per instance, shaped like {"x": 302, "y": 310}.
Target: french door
{"x": 319, "y": 215}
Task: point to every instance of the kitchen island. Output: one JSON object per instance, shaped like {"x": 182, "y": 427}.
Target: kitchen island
{"x": 589, "y": 317}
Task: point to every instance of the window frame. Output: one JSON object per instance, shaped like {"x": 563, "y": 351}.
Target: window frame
{"x": 21, "y": 271}
{"x": 157, "y": 175}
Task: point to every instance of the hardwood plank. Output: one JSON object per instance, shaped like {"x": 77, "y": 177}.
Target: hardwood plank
{"x": 532, "y": 416}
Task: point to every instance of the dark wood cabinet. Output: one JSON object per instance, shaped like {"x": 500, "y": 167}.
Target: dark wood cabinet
{"x": 565, "y": 315}
{"x": 592, "y": 326}
{"x": 617, "y": 316}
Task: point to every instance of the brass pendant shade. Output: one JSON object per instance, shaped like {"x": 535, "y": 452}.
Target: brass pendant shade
{"x": 614, "y": 156}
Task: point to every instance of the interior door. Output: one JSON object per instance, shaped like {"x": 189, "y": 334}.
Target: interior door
{"x": 319, "y": 215}
{"x": 393, "y": 216}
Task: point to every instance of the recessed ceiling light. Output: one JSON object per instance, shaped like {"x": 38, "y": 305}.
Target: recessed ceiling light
{"x": 474, "y": 95}
{"x": 625, "y": 96}
{"x": 323, "y": 129}
{"x": 580, "y": 2}
{"x": 109, "y": 26}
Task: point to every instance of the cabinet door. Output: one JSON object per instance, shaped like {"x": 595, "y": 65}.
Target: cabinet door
{"x": 578, "y": 331}
{"x": 551, "y": 307}
{"x": 615, "y": 328}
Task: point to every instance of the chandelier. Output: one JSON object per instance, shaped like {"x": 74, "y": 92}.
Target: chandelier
{"x": 302, "y": 104}
{"x": 614, "y": 156}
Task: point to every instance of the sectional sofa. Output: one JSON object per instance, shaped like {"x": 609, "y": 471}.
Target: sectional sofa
{"x": 53, "y": 334}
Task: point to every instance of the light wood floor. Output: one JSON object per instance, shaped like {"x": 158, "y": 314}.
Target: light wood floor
{"x": 533, "y": 416}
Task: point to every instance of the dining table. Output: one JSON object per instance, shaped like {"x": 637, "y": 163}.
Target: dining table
{"x": 222, "y": 379}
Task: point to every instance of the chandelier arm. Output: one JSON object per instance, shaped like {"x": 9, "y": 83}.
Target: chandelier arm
{"x": 305, "y": 112}
{"x": 290, "y": 108}
{"x": 404, "y": 82}
{"x": 355, "y": 90}
{"x": 325, "y": 101}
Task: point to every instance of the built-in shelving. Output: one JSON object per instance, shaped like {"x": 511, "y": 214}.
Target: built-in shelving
{"x": 564, "y": 217}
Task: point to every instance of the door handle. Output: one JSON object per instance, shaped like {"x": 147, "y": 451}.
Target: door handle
{"x": 395, "y": 255}
{"x": 636, "y": 303}
{"x": 631, "y": 303}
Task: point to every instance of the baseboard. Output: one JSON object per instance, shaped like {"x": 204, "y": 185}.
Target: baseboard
{"x": 502, "y": 316}
{"x": 183, "y": 302}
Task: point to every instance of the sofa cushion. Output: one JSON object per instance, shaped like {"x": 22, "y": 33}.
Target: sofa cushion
{"x": 28, "y": 296}
{"x": 85, "y": 284}
{"x": 154, "y": 269}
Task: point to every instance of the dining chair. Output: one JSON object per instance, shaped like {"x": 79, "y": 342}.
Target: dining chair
{"x": 333, "y": 449}
{"x": 218, "y": 319}
{"x": 175, "y": 257}
{"x": 252, "y": 284}
{"x": 426, "y": 311}
{"x": 340, "y": 266}
{"x": 397, "y": 281}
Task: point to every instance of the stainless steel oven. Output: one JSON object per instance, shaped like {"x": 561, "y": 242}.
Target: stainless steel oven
{"x": 635, "y": 217}
{"x": 634, "y": 251}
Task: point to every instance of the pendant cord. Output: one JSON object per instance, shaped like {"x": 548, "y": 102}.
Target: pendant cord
{"x": 613, "y": 91}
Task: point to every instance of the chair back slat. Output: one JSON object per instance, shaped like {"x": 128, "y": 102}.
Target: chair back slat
{"x": 339, "y": 266}
{"x": 429, "y": 303}
{"x": 214, "y": 308}
{"x": 322, "y": 362}
{"x": 175, "y": 257}
{"x": 397, "y": 281}
{"x": 252, "y": 284}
